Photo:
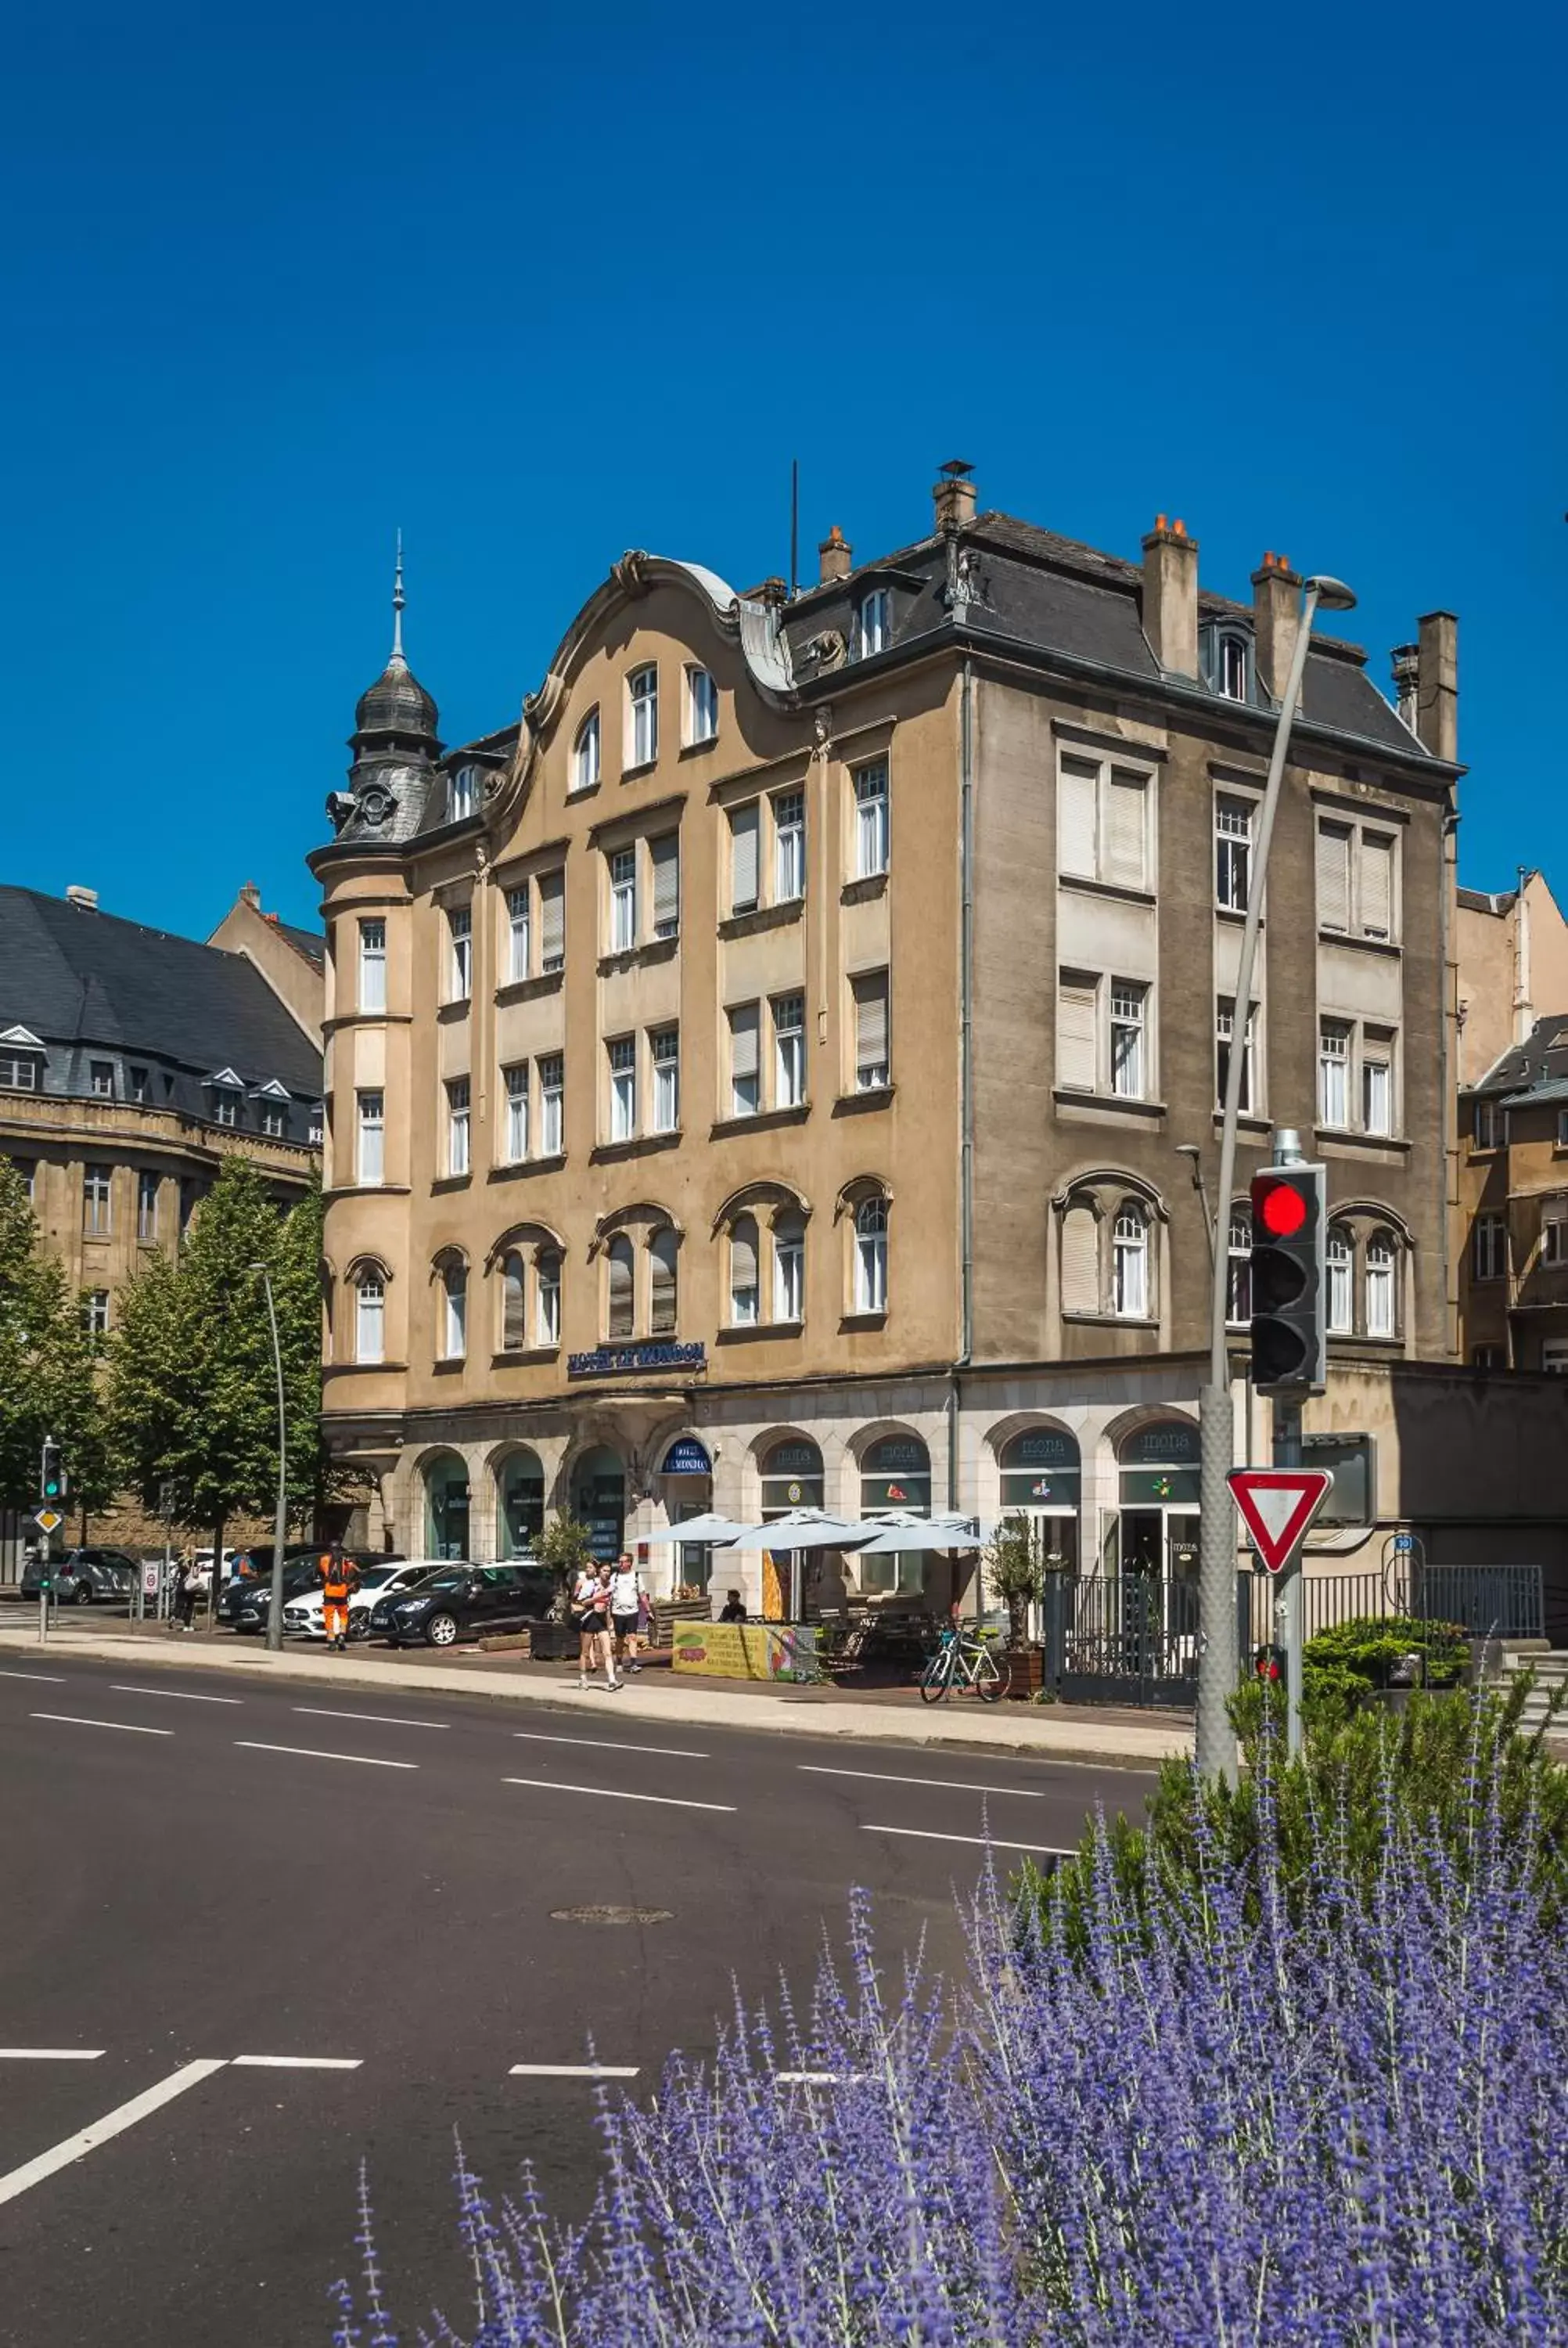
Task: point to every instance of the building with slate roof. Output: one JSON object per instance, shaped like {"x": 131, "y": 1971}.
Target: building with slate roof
{"x": 1514, "y": 1180}
{"x": 132, "y": 1063}
{"x": 775, "y": 1070}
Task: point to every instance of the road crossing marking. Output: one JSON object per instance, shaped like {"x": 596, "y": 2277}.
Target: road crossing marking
{"x": 989, "y": 1842}
{"x": 616, "y": 1793}
{"x": 77, "y": 1720}
{"x": 309, "y": 1753}
{"x": 124, "y": 2116}
{"x": 50, "y": 2053}
{"x": 573, "y": 2070}
{"x": 609, "y": 1745}
{"x": 376, "y": 1719}
{"x": 298, "y": 2062}
{"x": 950, "y": 1785}
{"x": 180, "y": 1696}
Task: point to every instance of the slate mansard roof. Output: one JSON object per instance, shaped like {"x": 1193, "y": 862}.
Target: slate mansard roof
{"x": 72, "y": 976}
{"x": 1533, "y": 1074}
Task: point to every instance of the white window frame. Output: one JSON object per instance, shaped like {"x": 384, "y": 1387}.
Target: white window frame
{"x": 1236, "y": 819}
{"x": 701, "y": 706}
{"x": 455, "y": 1312}
{"x": 789, "y": 1274}
{"x": 587, "y": 752}
{"x": 1378, "y": 1115}
{"x": 1359, "y": 835}
{"x": 546, "y": 1297}
{"x": 459, "y": 952}
{"x": 147, "y": 1187}
{"x": 370, "y": 1319}
{"x": 1340, "y": 1303}
{"x": 787, "y": 808}
{"x": 97, "y": 1200}
{"x": 515, "y": 1077}
{"x": 1128, "y": 1020}
{"x": 745, "y": 1091}
{"x": 872, "y": 628}
{"x": 20, "y": 1072}
{"x": 620, "y": 1249}
{"x": 1224, "y": 1037}
{"x": 1554, "y": 1233}
{"x": 1489, "y": 1248}
{"x": 371, "y": 996}
{"x": 620, "y": 1065}
{"x": 1335, "y": 1073}
{"x": 873, "y": 1076}
{"x": 370, "y": 1138}
{"x": 273, "y": 1121}
{"x": 621, "y": 866}
{"x": 1379, "y": 1280}
{"x": 746, "y": 820}
{"x": 551, "y": 1068}
{"x": 1132, "y": 1286}
{"x": 459, "y": 1128}
{"x": 1079, "y": 766}
{"x": 462, "y": 793}
{"x": 643, "y": 716}
{"x": 664, "y": 1058}
{"x": 871, "y": 1255}
{"x": 1351, "y": 1052}
{"x": 788, "y": 1015}
{"x": 100, "y": 1079}
{"x": 97, "y": 1315}
{"x": 1492, "y": 1124}
{"x": 1555, "y": 1357}
{"x": 745, "y": 1297}
{"x": 225, "y": 1106}
{"x": 520, "y": 933}
{"x": 1239, "y": 1269}
{"x": 871, "y": 837}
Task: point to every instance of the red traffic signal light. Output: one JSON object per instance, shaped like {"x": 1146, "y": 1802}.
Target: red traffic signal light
{"x": 1288, "y": 1278}
{"x": 1279, "y": 1206}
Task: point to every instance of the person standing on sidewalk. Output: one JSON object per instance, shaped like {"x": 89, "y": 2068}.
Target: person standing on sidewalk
{"x": 187, "y": 1584}
{"x": 626, "y": 1600}
{"x": 340, "y": 1579}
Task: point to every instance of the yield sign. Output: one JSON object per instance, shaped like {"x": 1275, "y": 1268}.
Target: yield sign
{"x": 1276, "y": 1506}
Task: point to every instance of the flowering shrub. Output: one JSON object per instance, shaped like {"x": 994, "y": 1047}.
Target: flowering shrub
{"x": 1226, "y": 2117}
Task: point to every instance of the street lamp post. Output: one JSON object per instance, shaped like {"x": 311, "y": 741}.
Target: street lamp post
{"x": 1216, "y": 1585}
{"x": 281, "y": 1518}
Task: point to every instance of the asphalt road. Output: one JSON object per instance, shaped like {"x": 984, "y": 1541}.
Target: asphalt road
{"x": 198, "y": 1876}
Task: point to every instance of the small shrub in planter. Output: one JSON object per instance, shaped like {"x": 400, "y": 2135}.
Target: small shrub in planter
{"x": 1013, "y": 1568}
{"x": 1343, "y": 1667}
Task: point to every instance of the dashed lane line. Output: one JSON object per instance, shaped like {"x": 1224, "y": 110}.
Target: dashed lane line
{"x": 573, "y": 2070}
{"x": 983, "y": 1842}
{"x": 948, "y": 1785}
{"x": 609, "y": 1745}
{"x": 51, "y": 2054}
{"x": 309, "y": 1753}
{"x": 615, "y": 1794}
{"x": 176, "y": 1695}
{"x": 298, "y": 2062}
{"x": 124, "y": 2116}
{"x": 78, "y": 1720}
{"x": 50, "y": 1679}
{"x": 376, "y": 1719}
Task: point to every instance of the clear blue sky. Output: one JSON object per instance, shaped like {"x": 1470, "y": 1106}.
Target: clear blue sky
{"x": 541, "y": 285}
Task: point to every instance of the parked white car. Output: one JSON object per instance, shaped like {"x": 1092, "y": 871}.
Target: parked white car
{"x": 203, "y": 1561}
{"x": 303, "y": 1616}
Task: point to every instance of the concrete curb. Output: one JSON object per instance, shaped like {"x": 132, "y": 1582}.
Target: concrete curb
{"x": 1044, "y": 1735}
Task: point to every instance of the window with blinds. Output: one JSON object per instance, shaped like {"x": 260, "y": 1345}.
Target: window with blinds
{"x": 664, "y": 855}
{"x": 1357, "y": 881}
{"x": 745, "y": 1028}
{"x": 743, "y": 1250}
{"x": 743, "y": 835}
{"x": 620, "y": 1278}
{"x": 663, "y": 1294}
{"x": 1077, "y": 1026}
{"x": 1376, "y": 886}
{"x": 1102, "y": 822}
{"x": 513, "y": 1315}
{"x": 552, "y": 921}
{"x": 1080, "y": 1259}
{"x": 1078, "y": 818}
{"x": 1333, "y": 876}
{"x": 873, "y": 1065}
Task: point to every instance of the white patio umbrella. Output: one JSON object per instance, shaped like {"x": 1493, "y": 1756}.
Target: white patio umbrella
{"x": 802, "y": 1528}
{"x": 714, "y": 1530}
{"x": 899, "y": 1532}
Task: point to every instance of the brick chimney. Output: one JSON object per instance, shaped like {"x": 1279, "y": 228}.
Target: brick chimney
{"x": 954, "y": 495}
{"x": 835, "y": 556}
{"x": 1170, "y": 596}
{"x": 1437, "y": 684}
{"x": 1276, "y": 621}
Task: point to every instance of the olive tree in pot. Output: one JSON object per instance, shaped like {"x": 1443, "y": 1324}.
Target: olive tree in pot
{"x": 565, "y": 1545}
{"x": 1013, "y": 1564}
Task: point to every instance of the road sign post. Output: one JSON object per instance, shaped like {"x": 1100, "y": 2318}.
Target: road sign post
{"x": 1276, "y": 1505}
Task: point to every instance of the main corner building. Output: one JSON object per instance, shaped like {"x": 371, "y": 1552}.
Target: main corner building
{"x": 770, "y": 1073}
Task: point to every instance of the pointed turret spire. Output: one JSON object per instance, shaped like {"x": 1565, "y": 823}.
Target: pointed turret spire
{"x": 399, "y": 602}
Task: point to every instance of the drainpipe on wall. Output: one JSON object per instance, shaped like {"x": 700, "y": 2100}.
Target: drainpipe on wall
{"x": 965, "y": 1063}
{"x": 1452, "y": 1239}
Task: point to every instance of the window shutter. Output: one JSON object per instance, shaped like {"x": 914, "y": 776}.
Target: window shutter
{"x": 1332, "y": 877}
{"x": 661, "y": 1266}
{"x": 744, "y": 1027}
{"x": 512, "y": 1326}
{"x": 744, "y": 858}
{"x": 743, "y": 1254}
{"x": 1076, "y": 788}
{"x": 1076, "y": 1066}
{"x": 871, "y": 1021}
{"x": 552, "y": 917}
{"x": 1377, "y": 887}
{"x": 666, "y": 855}
{"x": 1126, "y": 861}
{"x": 1080, "y": 1260}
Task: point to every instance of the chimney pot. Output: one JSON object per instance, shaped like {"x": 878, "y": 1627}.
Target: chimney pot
{"x": 85, "y": 900}
{"x": 1179, "y": 527}
{"x": 835, "y": 556}
{"x": 1170, "y": 597}
{"x": 1159, "y": 522}
{"x": 953, "y": 496}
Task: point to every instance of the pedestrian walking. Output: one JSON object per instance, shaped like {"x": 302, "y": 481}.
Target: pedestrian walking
{"x": 591, "y": 1613}
{"x": 187, "y": 1591}
{"x": 340, "y": 1579}
{"x": 627, "y": 1600}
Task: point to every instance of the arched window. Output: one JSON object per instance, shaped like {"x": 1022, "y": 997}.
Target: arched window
{"x": 789, "y": 1265}
{"x": 370, "y": 1315}
{"x": 1130, "y": 1263}
{"x": 663, "y": 1288}
{"x": 520, "y": 1503}
{"x": 871, "y": 1255}
{"x": 454, "y": 1309}
{"x": 546, "y": 1297}
{"x": 1382, "y": 1263}
{"x": 447, "y": 1507}
{"x": 744, "y": 1249}
{"x": 585, "y": 754}
{"x": 1341, "y": 1292}
{"x": 792, "y": 1476}
{"x": 514, "y": 1303}
{"x": 621, "y": 1272}
{"x": 1239, "y": 1269}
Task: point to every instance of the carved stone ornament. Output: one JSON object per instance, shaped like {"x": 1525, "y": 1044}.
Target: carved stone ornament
{"x": 631, "y": 573}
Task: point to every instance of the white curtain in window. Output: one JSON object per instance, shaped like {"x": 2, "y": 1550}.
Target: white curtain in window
{"x": 454, "y": 1300}
{"x": 1380, "y": 1264}
{"x": 1130, "y": 1263}
{"x": 1341, "y": 1261}
{"x": 370, "y": 1320}
{"x": 871, "y": 1256}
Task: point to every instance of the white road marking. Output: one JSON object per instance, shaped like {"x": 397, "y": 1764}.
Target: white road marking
{"x": 951, "y": 1784}
{"x": 376, "y": 1719}
{"x": 309, "y": 1753}
{"x": 615, "y": 1794}
{"x": 608, "y": 1744}
{"x": 115, "y": 2122}
{"x": 808, "y": 2079}
{"x": 298, "y": 2062}
{"x": 50, "y": 2053}
{"x": 181, "y": 1695}
{"x": 77, "y": 1720}
{"x": 573, "y": 2070}
{"x": 995, "y": 1842}
{"x": 54, "y": 1679}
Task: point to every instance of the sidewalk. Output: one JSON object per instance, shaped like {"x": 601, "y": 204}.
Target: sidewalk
{"x": 892, "y": 1717}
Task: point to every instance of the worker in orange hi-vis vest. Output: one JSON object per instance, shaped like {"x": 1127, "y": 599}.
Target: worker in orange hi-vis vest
{"x": 340, "y": 1579}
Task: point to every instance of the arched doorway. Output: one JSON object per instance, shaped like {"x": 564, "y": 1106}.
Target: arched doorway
{"x": 598, "y": 1499}
{"x": 895, "y": 1479}
{"x": 1159, "y": 1481}
{"x": 1042, "y": 1480}
{"x": 792, "y": 1478}
{"x": 687, "y": 1471}
{"x": 447, "y": 1507}
{"x": 519, "y": 1503}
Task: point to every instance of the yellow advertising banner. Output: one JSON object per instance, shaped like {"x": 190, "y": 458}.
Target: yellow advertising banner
{"x": 739, "y": 1650}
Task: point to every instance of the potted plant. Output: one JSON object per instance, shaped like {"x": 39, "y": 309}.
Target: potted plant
{"x": 566, "y": 1546}
{"x": 1014, "y": 1567}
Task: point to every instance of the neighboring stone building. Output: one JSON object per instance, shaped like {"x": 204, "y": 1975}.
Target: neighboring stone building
{"x": 131, "y": 1063}
{"x": 1512, "y": 947}
{"x": 763, "y": 1076}
{"x": 293, "y": 962}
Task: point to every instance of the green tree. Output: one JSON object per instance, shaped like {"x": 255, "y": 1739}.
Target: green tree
{"x": 47, "y": 1364}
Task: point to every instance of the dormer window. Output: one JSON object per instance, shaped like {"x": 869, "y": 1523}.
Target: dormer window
{"x": 1228, "y": 662}
{"x": 225, "y": 1088}
{"x": 463, "y": 794}
{"x": 273, "y": 1112}
{"x": 21, "y": 1060}
{"x": 873, "y": 624}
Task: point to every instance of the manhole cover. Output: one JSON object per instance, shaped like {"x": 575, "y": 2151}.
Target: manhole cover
{"x": 611, "y": 1915}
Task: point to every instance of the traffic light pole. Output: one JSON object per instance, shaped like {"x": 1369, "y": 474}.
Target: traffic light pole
{"x": 1218, "y": 1658}
{"x": 1288, "y": 1609}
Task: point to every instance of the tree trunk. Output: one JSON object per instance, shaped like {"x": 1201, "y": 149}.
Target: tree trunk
{"x": 217, "y": 1572}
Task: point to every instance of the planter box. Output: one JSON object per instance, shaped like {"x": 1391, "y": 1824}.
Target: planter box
{"x": 553, "y": 1642}
{"x": 1027, "y": 1672}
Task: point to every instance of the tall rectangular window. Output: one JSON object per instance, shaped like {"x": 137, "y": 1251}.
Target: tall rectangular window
{"x": 98, "y": 1183}
{"x": 273, "y": 1120}
{"x": 1129, "y": 1055}
{"x": 789, "y": 1266}
{"x": 623, "y": 900}
{"x": 743, "y": 862}
{"x": 457, "y": 1148}
{"x": 141, "y": 1089}
{"x": 97, "y": 1314}
{"x": 1488, "y": 1253}
{"x": 520, "y": 933}
{"x": 1102, "y": 822}
{"x": 1334, "y": 1073}
{"x": 701, "y": 706}
{"x": 1232, "y": 852}
{"x": 621, "y": 1052}
{"x": 552, "y": 1095}
{"x": 100, "y": 1077}
{"x": 546, "y": 1298}
{"x": 1341, "y": 1283}
{"x": 871, "y": 819}
{"x": 1078, "y": 1031}
{"x": 744, "y": 1070}
{"x": 462, "y": 793}
{"x": 517, "y": 1077}
{"x": 372, "y": 1137}
{"x": 873, "y": 616}
{"x": 373, "y": 966}
{"x": 146, "y": 1205}
{"x": 664, "y": 856}
{"x": 225, "y": 1106}
{"x": 1489, "y": 1125}
{"x": 789, "y": 846}
{"x": 871, "y": 1256}
{"x": 370, "y": 1319}
{"x": 1334, "y": 876}
{"x": 643, "y": 716}
{"x": 585, "y": 754}
{"x": 873, "y": 1067}
{"x": 1377, "y": 1081}
{"x": 552, "y": 921}
{"x": 1224, "y": 1031}
{"x": 664, "y": 1051}
{"x": 1555, "y": 1233}
{"x": 459, "y": 953}
{"x": 789, "y": 1050}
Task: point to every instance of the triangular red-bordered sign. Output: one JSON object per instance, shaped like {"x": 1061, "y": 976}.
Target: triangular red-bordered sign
{"x": 1276, "y": 1506}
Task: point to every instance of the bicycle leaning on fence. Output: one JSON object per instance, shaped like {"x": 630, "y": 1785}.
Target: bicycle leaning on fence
{"x": 963, "y": 1660}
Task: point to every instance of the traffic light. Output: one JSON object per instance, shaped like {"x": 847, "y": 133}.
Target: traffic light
{"x": 1289, "y": 1279}
{"x": 1268, "y": 1664}
{"x": 51, "y": 1475}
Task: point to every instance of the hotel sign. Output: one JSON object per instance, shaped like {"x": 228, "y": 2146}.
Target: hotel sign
{"x": 628, "y": 1361}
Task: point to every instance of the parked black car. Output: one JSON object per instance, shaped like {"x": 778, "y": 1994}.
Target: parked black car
{"x": 242, "y": 1606}
{"x": 84, "y": 1577}
{"x": 254, "y": 1564}
{"x": 463, "y": 1600}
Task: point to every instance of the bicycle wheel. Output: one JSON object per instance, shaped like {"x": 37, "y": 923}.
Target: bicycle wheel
{"x": 937, "y": 1676}
{"x": 993, "y": 1677}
